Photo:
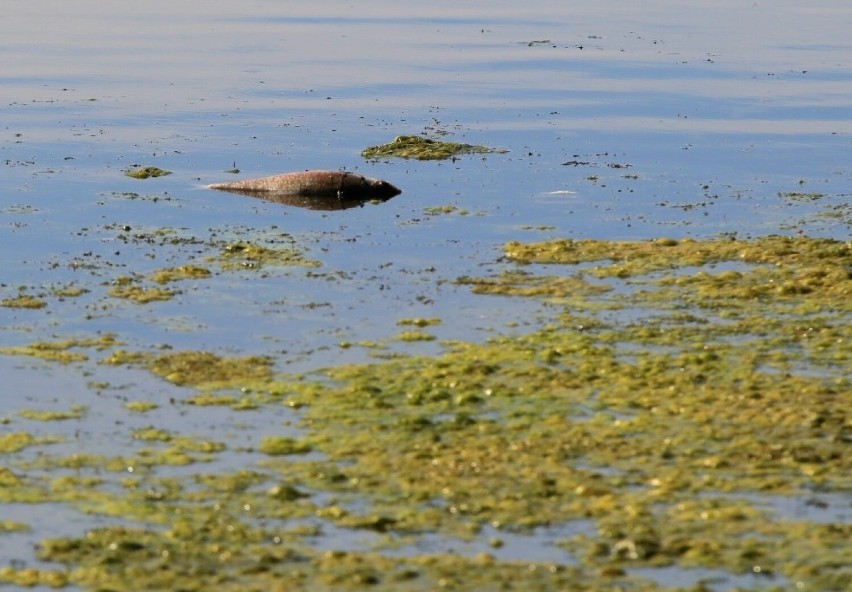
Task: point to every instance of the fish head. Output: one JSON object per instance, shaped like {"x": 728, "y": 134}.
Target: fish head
{"x": 382, "y": 189}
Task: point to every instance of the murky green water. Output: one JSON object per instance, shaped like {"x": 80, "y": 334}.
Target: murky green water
{"x": 160, "y": 341}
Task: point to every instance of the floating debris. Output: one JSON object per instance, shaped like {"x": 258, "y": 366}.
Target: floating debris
{"x": 425, "y": 149}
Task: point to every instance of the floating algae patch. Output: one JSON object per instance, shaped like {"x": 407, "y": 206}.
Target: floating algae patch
{"x": 627, "y": 258}
{"x": 282, "y": 446}
{"x": 141, "y": 406}
{"x": 627, "y": 424}
{"x": 13, "y": 526}
{"x": 182, "y": 272}
{"x": 247, "y": 255}
{"x": 414, "y": 336}
{"x": 140, "y": 172}
{"x": 31, "y": 577}
{"x": 731, "y": 382}
{"x": 420, "y": 322}
{"x": 230, "y": 557}
{"x": 37, "y": 350}
{"x": 16, "y": 441}
{"x": 128, "y": 288}
{"x": 24, "y": 301}
{"x": 202, "y": 368}
{"x": 76, "y": 412}
{"x": 69, "y": 291}
{"x": 58, "y": 351}
{"x": 519, "y": 283}
{"x": 212, "y": 399}
{"x": 445, "y": 209}
{"x": 796, "y": 276}
{"x": 421, "y": 148}
{"x": 181, "y": 448}
{"x": 199, "y": 369}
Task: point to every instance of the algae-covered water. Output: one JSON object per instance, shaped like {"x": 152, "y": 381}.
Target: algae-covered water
{"x": 599, "y": 342}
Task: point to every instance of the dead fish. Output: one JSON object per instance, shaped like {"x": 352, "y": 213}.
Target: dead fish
{"x": 321, "y": 185}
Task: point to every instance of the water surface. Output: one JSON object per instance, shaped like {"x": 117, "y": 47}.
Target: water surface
{"x": 620, "y": 121}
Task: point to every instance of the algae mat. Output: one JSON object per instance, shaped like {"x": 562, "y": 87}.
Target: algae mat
{"x": 679, "y": 390}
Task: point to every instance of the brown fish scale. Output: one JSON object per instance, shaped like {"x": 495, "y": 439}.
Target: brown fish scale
{"x": 339, "y": 184}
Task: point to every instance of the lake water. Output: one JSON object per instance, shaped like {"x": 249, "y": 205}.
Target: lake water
{"x": 620, "y": 120}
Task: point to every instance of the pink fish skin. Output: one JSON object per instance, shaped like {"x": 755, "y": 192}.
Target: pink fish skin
{"x": 319, "y": 184}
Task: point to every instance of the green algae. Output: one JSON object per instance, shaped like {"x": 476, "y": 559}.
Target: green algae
{"x": 207, "y": 399}
{"x": 69, "y": 291}
{"x": 265, "y": 249}
{"x": 36, "y": 351}
{"x": 641, "y": 257}
{"x": 212, "y": 400}
{"x": 141, "y": 406}
{"x": 13, "y": 526}
{"x": 24, "y": 301}
{"x": 445, "y": 209}
{"x": 235, "y": 559}
{"x": 140, "y": 172}
{"x": 421, "y": 148}
{"x": 128, "y": 288}
{"x": 182, "y": 272}
{"x": 75, "y": 412}
{"x": 180, "y": 450}
{"x": 414, "y": 336}
{"x": 519, "y": 283}
{"x": 705, "y": 415}
{"x": 31, "y": 577}
{"x": 719, "y": 382}
{"x": 58, "y": 351}
{"x": 247, "y": 255}
{"x": 16, "y": 441}
{"x": 282, "y": 446}
{"x": 204, "y": 370}
{"x": 420, "y": 322}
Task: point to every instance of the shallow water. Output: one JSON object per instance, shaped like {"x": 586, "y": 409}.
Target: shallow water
{"x": 620, "y": 122}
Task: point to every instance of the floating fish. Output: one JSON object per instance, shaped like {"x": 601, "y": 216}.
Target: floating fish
{"x": 319, "y": 190}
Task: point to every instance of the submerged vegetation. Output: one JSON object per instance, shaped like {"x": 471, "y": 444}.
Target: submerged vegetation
{"x": 680, "y": 387}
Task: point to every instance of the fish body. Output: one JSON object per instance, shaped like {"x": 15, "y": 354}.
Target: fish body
{"x": 340, "y": 185}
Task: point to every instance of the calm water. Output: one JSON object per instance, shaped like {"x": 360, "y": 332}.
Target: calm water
{"x": 620, "y": 122}
{"x": 688, "y": 121}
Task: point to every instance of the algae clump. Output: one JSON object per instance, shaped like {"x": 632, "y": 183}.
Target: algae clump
{"x": 16, "y": 441}
{"x": 141, "y": 406}
{"x": 203, "y": 370}
{"x": 128, "y": 288}
{"x": 420, "y": 322}
{"x": 247, "y": 255}
{"x": 75, "y": 412}
{"x": 183, "y": 272}
{"x": 421, "y": 148}
{"x": 58, "y": 351}
{"x": 24, "y": 301}
{"x": 281, "y": 446}
{"x": 140, "y": 172}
